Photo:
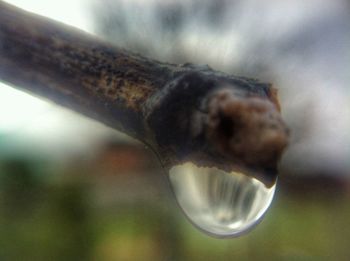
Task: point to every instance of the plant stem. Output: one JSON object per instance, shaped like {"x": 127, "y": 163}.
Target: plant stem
{"x": 184, "y": 112}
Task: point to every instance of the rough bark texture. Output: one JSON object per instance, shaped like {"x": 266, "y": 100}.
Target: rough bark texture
{"x": 184, "y": 112}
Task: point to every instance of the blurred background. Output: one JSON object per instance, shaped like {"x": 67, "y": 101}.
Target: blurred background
{"x": 73, "y": 189}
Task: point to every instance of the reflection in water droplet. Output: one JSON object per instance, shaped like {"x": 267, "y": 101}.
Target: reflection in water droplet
{"x": 220, "y": 203}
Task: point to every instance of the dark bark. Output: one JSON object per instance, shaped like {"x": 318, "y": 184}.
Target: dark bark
{"x": 184, "y": 112}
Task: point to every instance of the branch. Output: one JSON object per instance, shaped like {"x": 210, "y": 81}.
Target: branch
{"x": 184, "y": 112}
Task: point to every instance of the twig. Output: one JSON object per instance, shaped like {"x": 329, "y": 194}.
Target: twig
{"x": 184, "y": 112}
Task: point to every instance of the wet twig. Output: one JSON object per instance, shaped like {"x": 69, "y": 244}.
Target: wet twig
{"x": 184, "y": 112}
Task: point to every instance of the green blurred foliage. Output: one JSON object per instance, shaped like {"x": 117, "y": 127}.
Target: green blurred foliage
{"x": 40, "y": 220}
{"x": 58, "y": 218}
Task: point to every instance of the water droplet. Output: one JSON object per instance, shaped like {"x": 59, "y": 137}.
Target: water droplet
{"x": 220, "y": 203}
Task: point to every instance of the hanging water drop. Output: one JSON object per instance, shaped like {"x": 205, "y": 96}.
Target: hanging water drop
{"x": 220, "y": 203}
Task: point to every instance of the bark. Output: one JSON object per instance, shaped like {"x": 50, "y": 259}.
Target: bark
{"x": 183, "y": 112}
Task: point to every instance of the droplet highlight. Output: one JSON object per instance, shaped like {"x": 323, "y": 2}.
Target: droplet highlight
{"x": 220, "y": 203}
